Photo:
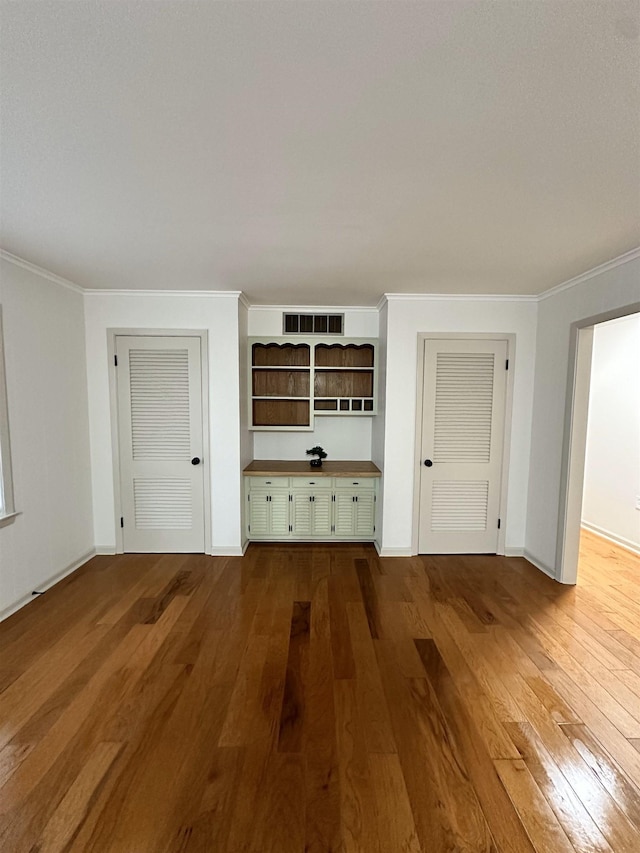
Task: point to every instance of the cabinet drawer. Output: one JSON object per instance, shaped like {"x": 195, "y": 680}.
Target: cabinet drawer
{"x": 268, "y": 482}
{"x": 311, "y": 483}
{"x": 355, "y": 484}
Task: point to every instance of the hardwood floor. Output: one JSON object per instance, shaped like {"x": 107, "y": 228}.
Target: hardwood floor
{"x": 320, "y": 698}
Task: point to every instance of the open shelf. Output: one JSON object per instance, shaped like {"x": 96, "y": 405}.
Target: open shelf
{"x": 343, "y": 383}
{"x": 281, "y": 383}
{"x": 344, "y": 355}
{"x": 332, "y": 404}
{"x": 278, "y": 412}
{"x": 281, "y": 355}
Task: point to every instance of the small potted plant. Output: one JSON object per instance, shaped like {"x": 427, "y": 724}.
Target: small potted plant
{"x": 320, "y": 453}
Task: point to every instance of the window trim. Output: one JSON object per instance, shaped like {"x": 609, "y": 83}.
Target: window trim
{"x": 7, "y": 508}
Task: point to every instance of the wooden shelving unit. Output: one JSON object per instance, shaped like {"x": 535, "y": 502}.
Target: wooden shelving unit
{"x": 344, "y": 378}
{"x": 292, "y": 381}
{"x": 281, "y": 385}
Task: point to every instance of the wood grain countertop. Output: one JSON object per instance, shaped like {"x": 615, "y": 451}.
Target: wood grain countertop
{"x": 288, "y": 468}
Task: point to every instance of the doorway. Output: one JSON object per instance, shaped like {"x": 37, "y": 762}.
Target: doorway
{"x": 575, "y": 444}
{"x": 160, "y": 424}
{"x": 462, "y": 397}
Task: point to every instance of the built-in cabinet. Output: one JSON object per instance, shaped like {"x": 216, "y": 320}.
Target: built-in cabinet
{"x": 311, "y": 507}
{"x": 292, "y": 381}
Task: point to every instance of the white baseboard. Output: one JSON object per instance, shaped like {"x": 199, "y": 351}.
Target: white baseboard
{"x": 513, "y": 552}
{"x": 43, "y": 586}
{"x": 547, "y": 570}
{"x": 228, "y": 550}
{"x": 393, "y": 552}
{"x": 627, "y": 544}
{"x": 105, "y": 550}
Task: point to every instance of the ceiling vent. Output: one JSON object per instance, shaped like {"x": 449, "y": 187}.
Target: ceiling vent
{"x": 313, "y": 324}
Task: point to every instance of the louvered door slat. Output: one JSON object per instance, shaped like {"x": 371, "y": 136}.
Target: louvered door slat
{"x": 463, "y": 406}
{"x": 160, "y": 413}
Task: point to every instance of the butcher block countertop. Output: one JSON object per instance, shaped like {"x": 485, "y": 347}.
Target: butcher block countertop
{"x": 288, "y": 468}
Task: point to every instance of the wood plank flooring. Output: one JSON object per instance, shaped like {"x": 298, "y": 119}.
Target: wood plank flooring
{"x": 316, "y": 699}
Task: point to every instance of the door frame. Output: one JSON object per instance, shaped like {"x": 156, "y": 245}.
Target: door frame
{"x": 112, "y": 334}
{"x": 574, "y": 443}
{"x": 510, "y": 340}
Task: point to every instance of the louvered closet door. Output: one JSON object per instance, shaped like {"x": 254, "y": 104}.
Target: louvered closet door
{"x": 462, "y": 435}
{"x": 160, "y": 433}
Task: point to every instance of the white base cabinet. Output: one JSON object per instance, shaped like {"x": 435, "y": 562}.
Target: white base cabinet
{"x": 311, "y": 508}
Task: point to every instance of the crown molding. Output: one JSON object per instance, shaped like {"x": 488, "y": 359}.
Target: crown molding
{"x": 188, "y": 294}
{"x": 381, "y": 302}
{"x": 40, "y": 271}
{"x": 316, "y": 309}
{"x": 632, "y": 255}
{"x": 244, "y": 301}
{"x": 458, "y": 297}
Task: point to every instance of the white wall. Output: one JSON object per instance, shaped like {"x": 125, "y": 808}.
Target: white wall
{"x": 612, "y": 465}
{"x": 246, "y": 435}
{"x": 341, "y": 437}
{"x": 46, "y": 386}
{"x": 379, "y": 422}
{"x": 218, "y": 315}
{"x": 406, "y": 318}
{"x": 609, "y": 290}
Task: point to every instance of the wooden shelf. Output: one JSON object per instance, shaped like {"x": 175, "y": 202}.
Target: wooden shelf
{"x": 343, "y": 383}
{"x": 281, "y": 412}
{"x": 281, "y": 383}
{"x": 344, "y": 355}
{"x": 281, "y": 355}
{"x": 301, "y": 468}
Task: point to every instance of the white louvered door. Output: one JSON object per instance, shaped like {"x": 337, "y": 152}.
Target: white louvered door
{"x": 462, "y": 437}
{"x": 160, "y": 437}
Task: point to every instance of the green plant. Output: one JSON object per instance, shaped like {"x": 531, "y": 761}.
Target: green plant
{"x": 317, "y": 451}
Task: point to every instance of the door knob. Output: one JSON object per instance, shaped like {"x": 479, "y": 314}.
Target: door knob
{"x": 428, "y": 463}
{"x": 195, "y": 460}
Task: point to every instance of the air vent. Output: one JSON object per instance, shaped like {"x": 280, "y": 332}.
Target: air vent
{"x": 313, "y": 324}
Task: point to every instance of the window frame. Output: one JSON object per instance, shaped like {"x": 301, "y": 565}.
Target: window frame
{"x": 7, "y": 505}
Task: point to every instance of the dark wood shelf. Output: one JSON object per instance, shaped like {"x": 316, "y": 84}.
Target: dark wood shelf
{"x": 275, "y": 412}
{"x": 281, "y": 355}
{"x": 281, "y": 383}
{"x": 344, "y": 355}
{"x": 343, "y": 383}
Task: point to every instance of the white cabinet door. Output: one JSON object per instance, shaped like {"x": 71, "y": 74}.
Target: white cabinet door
{"x": 311, "y": 513}
{"x": 259, "y": 514}
{"x": 301, "y": 514}
{"x": 160, "y": 443}
{"x": 344, "y": 514}
{"x": 321, "y": 513}
{"x": 365, "y": 510}
{"x": 279, "y": 506}
{"x": 268, "y": 513}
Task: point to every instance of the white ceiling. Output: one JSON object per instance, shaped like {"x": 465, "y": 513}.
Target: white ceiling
{"x": 321, "y": 152}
